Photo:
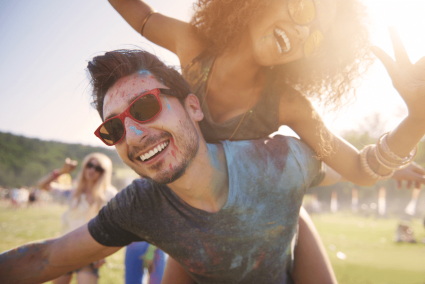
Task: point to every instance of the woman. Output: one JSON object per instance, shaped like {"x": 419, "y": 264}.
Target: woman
{"x": 93, "y": 189}
{"x": 252, "y": 64}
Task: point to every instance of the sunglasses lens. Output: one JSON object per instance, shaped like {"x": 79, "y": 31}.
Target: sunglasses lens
{"x": 145, "y": 108}
{"x": 97, "y": 168}
{"x": 313, "y": 44}
{"x": 112, "y": 131}
{"x": 301, "y": 11}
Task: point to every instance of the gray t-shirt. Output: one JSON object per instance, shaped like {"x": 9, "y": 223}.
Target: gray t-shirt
{"x": 250, "y": 240}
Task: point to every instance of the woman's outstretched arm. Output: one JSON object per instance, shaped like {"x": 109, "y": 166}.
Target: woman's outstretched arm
{"x": 408, "y": 79}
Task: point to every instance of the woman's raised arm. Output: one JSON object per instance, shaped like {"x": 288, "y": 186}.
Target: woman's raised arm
{"x": 409, "y": 80}
{"x": 177, "y": 36}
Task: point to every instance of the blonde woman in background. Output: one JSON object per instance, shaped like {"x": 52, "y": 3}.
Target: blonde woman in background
{"x": 91, "y": 192}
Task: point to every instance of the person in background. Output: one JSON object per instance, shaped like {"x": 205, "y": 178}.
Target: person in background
{"x": 93, "y": 189}
{"x": 140, "y": 256}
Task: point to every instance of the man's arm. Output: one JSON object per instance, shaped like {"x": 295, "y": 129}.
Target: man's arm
{"x": 46, "y": 260}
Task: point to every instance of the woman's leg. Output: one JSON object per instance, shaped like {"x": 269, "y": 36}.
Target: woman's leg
{"x": 311, "y": 264}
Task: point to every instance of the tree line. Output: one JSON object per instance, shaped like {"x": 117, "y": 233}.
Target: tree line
{"x": 23, "y": 161}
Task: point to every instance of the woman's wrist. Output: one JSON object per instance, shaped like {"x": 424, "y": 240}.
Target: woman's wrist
{"x": 416, "y": 117}
{"x": 56, "y": 173}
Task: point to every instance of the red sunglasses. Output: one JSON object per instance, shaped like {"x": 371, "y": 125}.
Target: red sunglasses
{"x": 143, "y": 109}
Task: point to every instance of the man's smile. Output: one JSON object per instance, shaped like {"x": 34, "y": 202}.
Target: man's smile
{"x": 154, "y": 151}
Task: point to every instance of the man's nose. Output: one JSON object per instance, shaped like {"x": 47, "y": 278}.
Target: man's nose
{"x": 134, "y": 131}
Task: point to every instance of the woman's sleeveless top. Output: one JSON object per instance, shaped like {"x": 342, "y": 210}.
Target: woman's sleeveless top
{"x": 259, "y": 122}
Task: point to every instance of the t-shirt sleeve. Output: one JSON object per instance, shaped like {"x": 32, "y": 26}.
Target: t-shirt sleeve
{"x": 311, "y": 166}
{"x": 111, "y": 226}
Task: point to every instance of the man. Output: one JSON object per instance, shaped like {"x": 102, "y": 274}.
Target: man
{"x": 226, "y": 213}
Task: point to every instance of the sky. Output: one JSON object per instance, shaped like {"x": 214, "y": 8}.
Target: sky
{"x": 45, "y": 46}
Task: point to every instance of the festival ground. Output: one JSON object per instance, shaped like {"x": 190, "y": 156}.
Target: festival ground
{"x": 361, "y": 249}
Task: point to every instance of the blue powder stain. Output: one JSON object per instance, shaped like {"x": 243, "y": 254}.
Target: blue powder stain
{"x": 22, "y": 249}
{"x": 168, "y": 105}
{"x": 213, "y": 149}
{"x": 144, "y": 72}
{"x": 137, "y": 131}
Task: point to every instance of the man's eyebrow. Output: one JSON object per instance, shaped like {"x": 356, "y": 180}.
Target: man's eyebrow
{"x": 128, "y": 103}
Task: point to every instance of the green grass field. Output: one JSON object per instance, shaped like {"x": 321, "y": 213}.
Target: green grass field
{"x": 30, "y": 224}
{"x": 371, "y": 254}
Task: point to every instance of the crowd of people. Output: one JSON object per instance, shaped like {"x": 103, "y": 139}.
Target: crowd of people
{"x": 219, "y": 195}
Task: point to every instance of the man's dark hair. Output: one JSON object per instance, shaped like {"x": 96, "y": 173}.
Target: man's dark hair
{"x": 106, "y": 70}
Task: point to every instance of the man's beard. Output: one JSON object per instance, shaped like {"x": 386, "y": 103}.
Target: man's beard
{"x": 189, "y": 149}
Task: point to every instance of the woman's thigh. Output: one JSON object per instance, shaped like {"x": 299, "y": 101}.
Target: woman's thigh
{"x": 312, "y": 264}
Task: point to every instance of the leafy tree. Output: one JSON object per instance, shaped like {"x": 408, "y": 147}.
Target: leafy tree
{"x": 23, "y": 161}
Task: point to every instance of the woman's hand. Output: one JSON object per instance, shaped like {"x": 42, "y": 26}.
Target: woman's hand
{"x": 408, "y": 78}
{"x": 413, "y": 174}
{"x": 99, "y": 263}
{"x": 68, "y": 166}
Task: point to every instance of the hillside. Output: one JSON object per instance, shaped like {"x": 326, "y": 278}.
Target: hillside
{"x": 24, "y": 160}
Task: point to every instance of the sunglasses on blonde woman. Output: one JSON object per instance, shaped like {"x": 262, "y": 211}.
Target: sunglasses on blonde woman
{"x": 143, "y": 109}
{"x": 304, "y": 12}
{"x": 96, "y": 168}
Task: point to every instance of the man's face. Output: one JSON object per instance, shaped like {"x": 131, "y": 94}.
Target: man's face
{"x": 162, "y": 148}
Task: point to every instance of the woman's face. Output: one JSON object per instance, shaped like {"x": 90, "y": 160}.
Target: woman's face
{"x": 93, "y": 170}
{"x": 275, "y": 37}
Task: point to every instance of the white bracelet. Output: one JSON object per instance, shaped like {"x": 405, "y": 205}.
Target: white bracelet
{"x": 387, "y": 164}
{"x": 366, "y": 167}
{"x": 383, "y": 146}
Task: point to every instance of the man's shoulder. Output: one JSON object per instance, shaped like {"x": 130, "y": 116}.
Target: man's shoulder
{"x": 277, "y": 152}
{"x": 138, "y": 187}
{"x": 275, "y": 144}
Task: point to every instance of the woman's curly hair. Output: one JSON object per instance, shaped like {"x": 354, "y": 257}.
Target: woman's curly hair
{"x": 329, "y": 77}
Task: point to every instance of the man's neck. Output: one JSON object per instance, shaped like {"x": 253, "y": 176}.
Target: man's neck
{"x": 205, "y": 184}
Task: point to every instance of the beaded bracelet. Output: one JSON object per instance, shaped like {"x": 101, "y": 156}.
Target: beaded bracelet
{"x": 382, "y": 145}
{"x": 366, "y": 167}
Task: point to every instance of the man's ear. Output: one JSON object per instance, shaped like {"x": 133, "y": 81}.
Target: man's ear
{"x": 193, "y": 107}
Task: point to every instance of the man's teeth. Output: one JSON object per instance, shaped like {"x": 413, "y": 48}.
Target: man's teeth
{"x": 154, "y": 151}
{"x": 280, "y": 33}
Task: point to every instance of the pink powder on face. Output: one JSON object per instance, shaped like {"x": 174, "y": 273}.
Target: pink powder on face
{"x": 171, "y": 167}
{"x": 174, "y": 154}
